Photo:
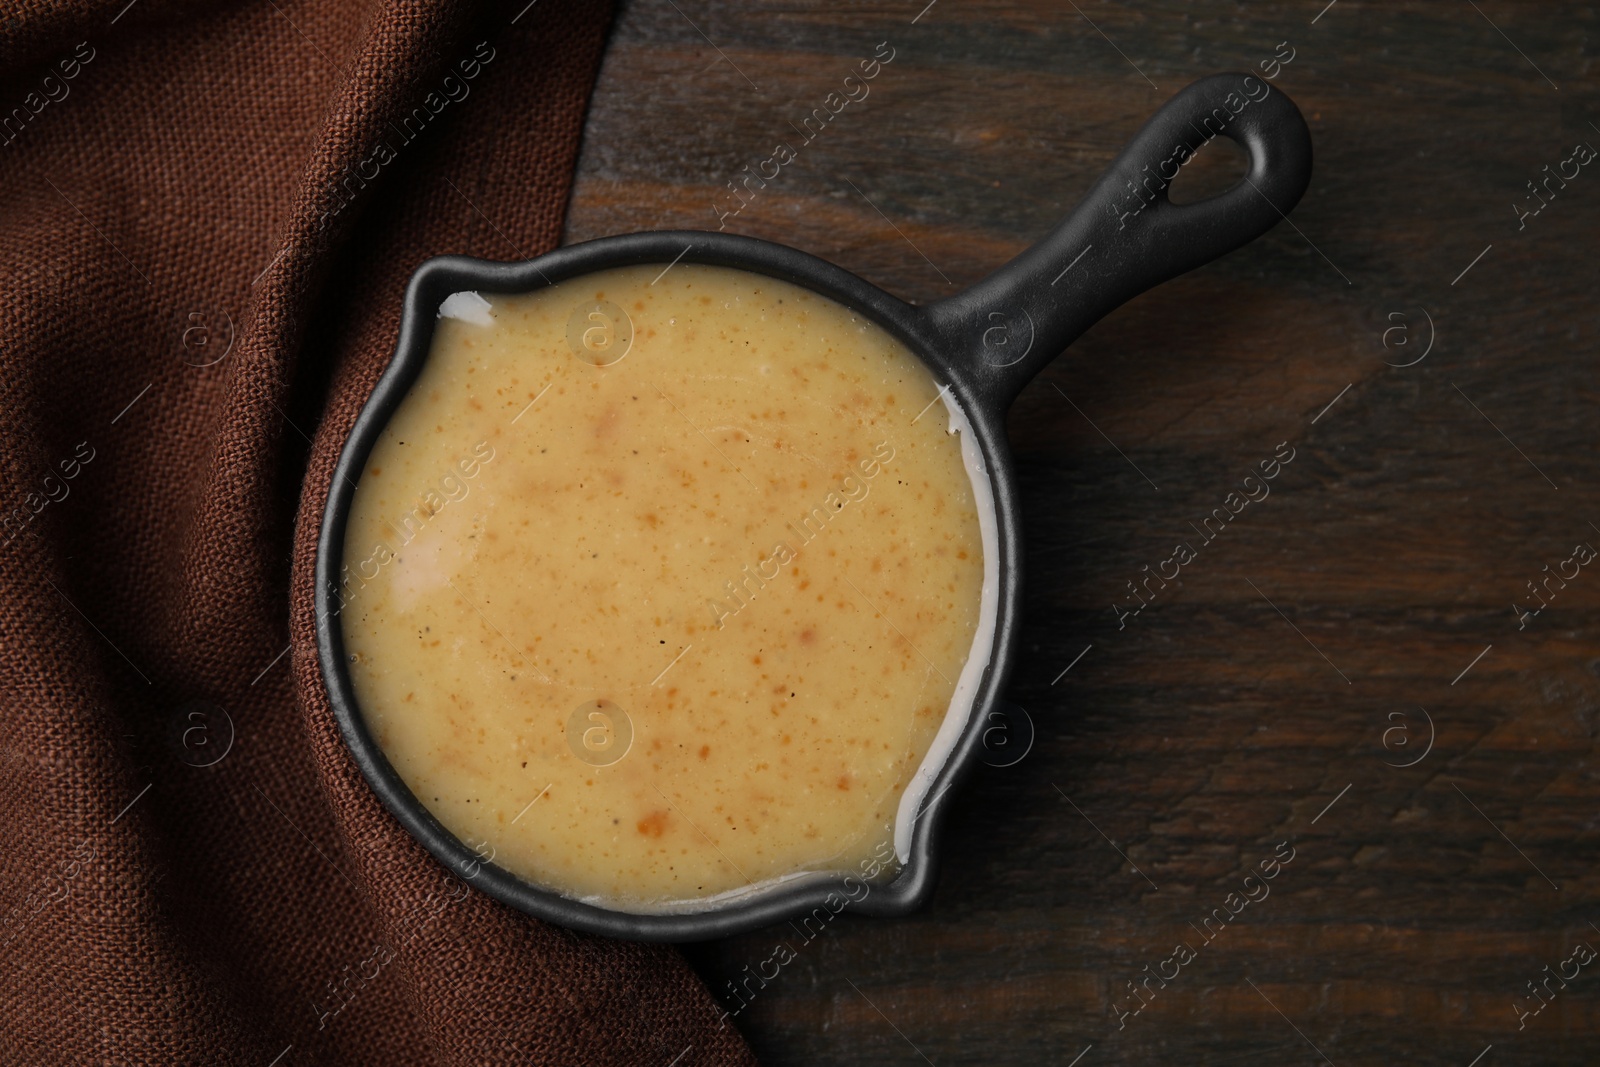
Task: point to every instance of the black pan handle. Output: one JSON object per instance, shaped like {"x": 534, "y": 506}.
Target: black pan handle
{"x": 1126, "y": 236}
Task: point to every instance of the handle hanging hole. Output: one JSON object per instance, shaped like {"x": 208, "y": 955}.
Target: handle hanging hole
{"x": 1218, "y": 166}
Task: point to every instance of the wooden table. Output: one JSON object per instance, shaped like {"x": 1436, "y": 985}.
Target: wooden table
{"x": 1271, "y": 694}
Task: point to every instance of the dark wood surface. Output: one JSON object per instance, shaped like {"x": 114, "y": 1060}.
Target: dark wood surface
{"x": 1233, "y": 710}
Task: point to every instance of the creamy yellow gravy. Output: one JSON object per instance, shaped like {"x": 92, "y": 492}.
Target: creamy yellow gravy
{"x": 661, "y": 585}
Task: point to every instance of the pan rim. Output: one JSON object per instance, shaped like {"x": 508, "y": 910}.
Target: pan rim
{"x": 439, "y": 277}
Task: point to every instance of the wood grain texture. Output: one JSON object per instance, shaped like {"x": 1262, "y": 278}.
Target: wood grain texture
{"x": 1227, "y": 715}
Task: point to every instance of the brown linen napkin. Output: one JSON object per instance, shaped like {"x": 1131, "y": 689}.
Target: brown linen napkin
{"x": 210, "y": 212}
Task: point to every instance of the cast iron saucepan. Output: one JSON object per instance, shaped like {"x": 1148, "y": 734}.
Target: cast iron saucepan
{"x": 983, "y": 344}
